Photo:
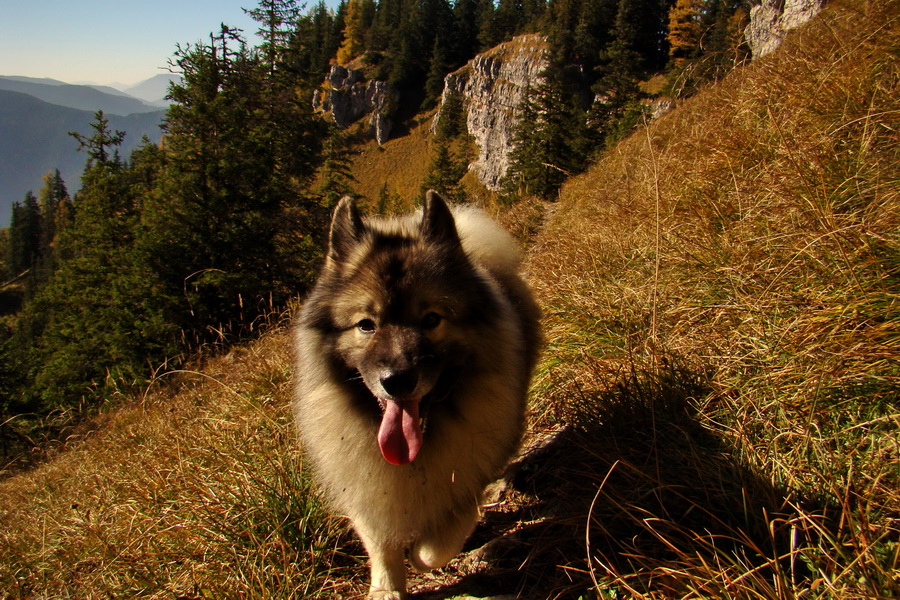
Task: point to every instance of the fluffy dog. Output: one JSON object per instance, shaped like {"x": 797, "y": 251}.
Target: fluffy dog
{"x": 414, "y": 353}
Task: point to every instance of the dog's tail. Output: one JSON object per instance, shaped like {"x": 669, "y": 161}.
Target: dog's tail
{"x": 485, "y": 242}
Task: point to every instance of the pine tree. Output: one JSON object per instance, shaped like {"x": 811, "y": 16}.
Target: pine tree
{"x": 489, "y": 34}
{"x": 56, "y": 215}
{"x": 51, "y": 198}
{"x": 240, "y": 148}
{"x": 464, "y": 39}
{"x": 453, "y": 117}
{"x": 99, "y": 319}
{"x": 335, "y": 172}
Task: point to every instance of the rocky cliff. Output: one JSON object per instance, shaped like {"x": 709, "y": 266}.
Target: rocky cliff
{"x": 348, "y": 97}
{"x": 492, "y": 85}
{"x": 771, "y": 20}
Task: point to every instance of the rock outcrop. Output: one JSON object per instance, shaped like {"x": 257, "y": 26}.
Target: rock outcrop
{"x": 771, "y": 20}
{"x": 349, "y": 97}
{"x": 491, "y": 86}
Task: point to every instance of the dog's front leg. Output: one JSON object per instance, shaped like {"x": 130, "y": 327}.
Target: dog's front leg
{"x": 388, "y": 568}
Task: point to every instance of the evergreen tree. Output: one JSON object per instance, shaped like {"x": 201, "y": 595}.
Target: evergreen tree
{"x": 440, "y": 66}
{"x": 277, "y": 19}
{"x": 453, "y": 117}
{"x": 335, "y": 172}
{"x": 312, "y": 45}
{"x": 489, "y": 33}
{"x": 551, "y": 140}
{"x": 98, "y": 320}
{"x": 239, "y": 150}
{"x": 464, "y": 38}
{"x": 103, "y": 141}
{"x": 444, "y": 173}
{"x": 24, "y": 235}
{"x": 56, "y": 215}
{"x": 52, "y": 197}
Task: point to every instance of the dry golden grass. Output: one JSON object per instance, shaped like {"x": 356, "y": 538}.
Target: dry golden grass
{"x": 194, "y": 494}
{"x": 741, "y": 256}
{"x": 400, "y": 164}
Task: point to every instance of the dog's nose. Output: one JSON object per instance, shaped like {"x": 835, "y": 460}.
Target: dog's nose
{"x": 400, "y": 384}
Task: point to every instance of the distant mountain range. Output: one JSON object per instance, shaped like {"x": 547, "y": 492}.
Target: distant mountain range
{"x": 36, "y": 116}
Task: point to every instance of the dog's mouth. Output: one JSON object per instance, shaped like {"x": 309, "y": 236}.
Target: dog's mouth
{"x": 403, "y": 424}
{"x": 401, "y": 431}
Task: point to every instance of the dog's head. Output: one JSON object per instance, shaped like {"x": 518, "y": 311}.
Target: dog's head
{"x": 404, "y": 300}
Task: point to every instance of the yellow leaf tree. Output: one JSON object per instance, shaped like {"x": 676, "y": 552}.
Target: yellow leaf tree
{"x": 354, "y": 33}
{"x": 685, "y": 29}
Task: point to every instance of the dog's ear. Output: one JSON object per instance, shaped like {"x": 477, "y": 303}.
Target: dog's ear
{"x": 346, "y": 229}
{"x": 437, "y": 221}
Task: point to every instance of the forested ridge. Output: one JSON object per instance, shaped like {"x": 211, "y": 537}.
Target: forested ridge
{"x": 191, "y": 244}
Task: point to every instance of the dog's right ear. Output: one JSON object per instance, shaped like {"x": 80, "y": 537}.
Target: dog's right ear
{"x": 346, "y": 230}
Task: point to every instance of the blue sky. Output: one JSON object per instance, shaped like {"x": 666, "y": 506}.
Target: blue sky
{"x": 107, "y": 41}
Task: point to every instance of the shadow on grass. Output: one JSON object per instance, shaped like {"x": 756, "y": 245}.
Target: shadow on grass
{"x": 637, "y": 483}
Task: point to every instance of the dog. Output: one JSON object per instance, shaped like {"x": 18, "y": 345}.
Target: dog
{"x": 414, "y": 353}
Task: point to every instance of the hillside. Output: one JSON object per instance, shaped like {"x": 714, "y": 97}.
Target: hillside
{"x": 715, "y": 414}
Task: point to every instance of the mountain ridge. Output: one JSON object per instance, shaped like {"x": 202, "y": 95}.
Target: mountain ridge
{"x": 34, "y": 139}
{"x": 82, "y": 97}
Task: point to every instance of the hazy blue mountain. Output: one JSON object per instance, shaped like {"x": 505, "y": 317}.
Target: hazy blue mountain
{"x": 34, "y": 139}
{"x": 82, "y": 97}
{"x": 154, "y": 90}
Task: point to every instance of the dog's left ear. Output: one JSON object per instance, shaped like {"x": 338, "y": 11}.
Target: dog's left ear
{"x": 346, "y": 229}
{"x": 438, "y": 225}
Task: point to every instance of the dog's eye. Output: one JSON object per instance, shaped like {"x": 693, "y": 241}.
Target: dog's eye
{"x": 366, "y": 326}
{"x": 431, "y": 320}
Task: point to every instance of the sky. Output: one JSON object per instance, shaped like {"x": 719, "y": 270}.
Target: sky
{"x": 107, "y": 42}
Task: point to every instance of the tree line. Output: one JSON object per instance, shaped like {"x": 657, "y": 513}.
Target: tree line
{"x": 193, "y": 241}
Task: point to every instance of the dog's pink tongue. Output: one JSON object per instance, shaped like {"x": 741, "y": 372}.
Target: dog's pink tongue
{"x": 400, "y": 436}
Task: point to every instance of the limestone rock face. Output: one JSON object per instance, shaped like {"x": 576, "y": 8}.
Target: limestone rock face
{"x": 491, "y": 86}
{"x": 771, "y": 20}
{"x": 349, "y": 97}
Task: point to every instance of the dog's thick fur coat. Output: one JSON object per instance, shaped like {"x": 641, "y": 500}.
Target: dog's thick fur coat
{"x": 413, "y": 358}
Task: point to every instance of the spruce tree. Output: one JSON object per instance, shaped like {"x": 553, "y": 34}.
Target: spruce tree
{"x": 444, "y": 173}
{"x": 551, "y": 140}
{"x": 98, "y": 320}
{"x": 24, "y": 235}
{"x": 440, "y": 66}
{"x": 277, "y": 19}
{"x": 240, "y": 149}
{"x": 56, "y": 216}
{"x": 103, "y": 141}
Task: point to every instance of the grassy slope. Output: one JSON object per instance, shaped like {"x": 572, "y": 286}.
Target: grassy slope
{"x": 728, "y": 277}
{"x": 400, "y": 164}
{"x": 721, "y": 374}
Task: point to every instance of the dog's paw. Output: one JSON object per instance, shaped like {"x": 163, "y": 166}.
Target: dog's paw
{"x": 386, "y": 595}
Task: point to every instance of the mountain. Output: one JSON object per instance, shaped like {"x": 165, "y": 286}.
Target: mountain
{"x": 153, "y": 90}
{"x": 82, "y": 97}
{"x": 34, "y": 139}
